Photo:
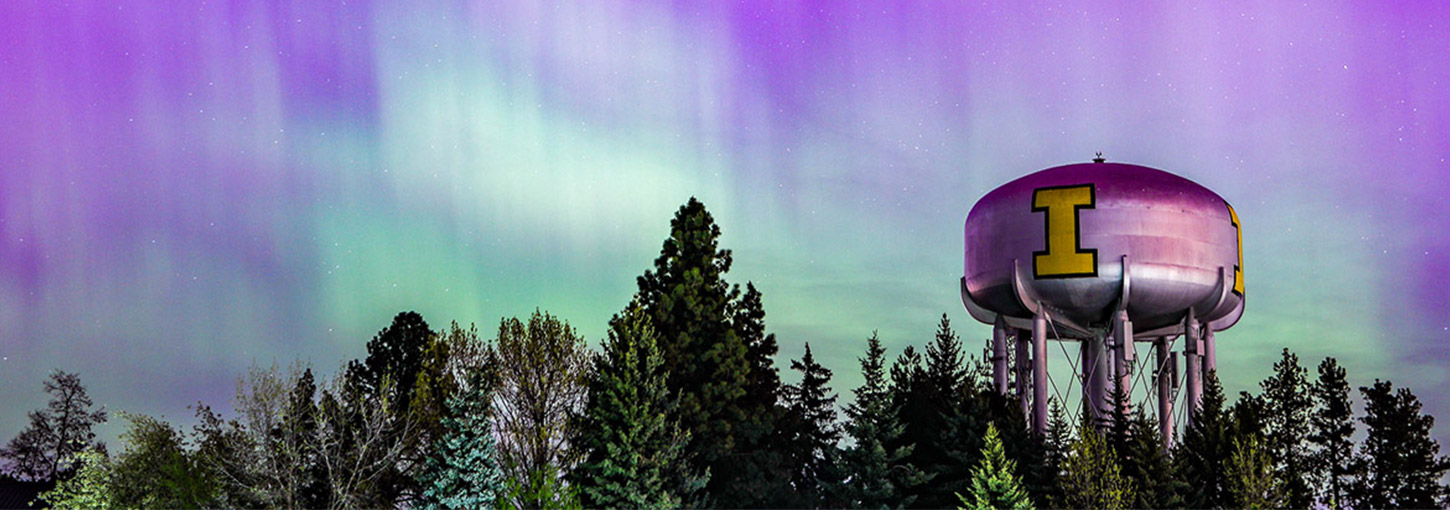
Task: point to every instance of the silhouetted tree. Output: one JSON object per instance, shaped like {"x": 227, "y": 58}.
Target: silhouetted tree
{"x": 1204, "y": 452}
{"x": 874, "y": 470}
{"x": 44, "y": 448}
{"x": 812, "y": 431}
{"x": 943, "y": 415}
{"x": 1400, "y": 462}
{"x": 1287, "y": 407}
{"x": 1332, "y": 423}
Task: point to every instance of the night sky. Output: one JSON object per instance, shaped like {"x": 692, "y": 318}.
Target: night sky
{"x": 190, "y": 188}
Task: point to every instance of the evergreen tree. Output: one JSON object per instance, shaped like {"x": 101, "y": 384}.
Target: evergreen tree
{"x": 1156, "y": 481}
{"x": 462, "y": 470}
{"x": 1205, "y": 450}
{"x": 943, "y": 415}
{"x": 1057, "y": 442}
{"x": 1332, "y": 424}
{"x": 395, "y": 355}
{"x": 716, "y": 359}
{"x": 299, "y": 435}
{"x": 874, "y": 469}
{"x": 1400, "y": 464}
{"x": 995, "y": 483}
{"x": 1251, "y": 479}
{"x": 813, "y": 432}
{"x": 634, "y": 452}
{"x": 1287, "y": 407}
{"x": 1091, "y": 477}
{"x": 391, "y": 371}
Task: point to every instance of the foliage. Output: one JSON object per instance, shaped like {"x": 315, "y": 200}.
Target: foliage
{"x": 995, "y": 483}
{"x": 944, "y": 416}
{"x": 1251, "y": 479}
{"x": 634, "y": 454}
{"x": 718, "y": 362}
{"x": 462, "y": 469}
{"x": 1091, "y": 477}
{"x": 812, "y": 431}
{"x": 1287, "y": 407}
{"x": 1400, "y": 465}
{"x": 1057, "y": 442}
{"x": 45, "y": 448}
{"x": 89, "y": 488}
{"x": 1333, "y": 425}
{"x": 543, "y": 369}
{"x": 157, "y": 470}
{"x": 1204, "y": 452}
{"x": 873, "y": 472}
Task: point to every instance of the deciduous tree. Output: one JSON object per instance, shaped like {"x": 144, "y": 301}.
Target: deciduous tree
{"x": 543, "y": 369}
{"x": 45, "y": 448}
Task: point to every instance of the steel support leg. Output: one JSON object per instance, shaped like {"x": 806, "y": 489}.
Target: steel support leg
{"x": 1094, "y": 377}
{"x": 1194, "y": 365}
{"x": 1123, "y": 357}
{"x": 1165, "y": 380}
{"x": 1039, "y": 373}
{"x": 1210, "y": 352}
{"x": 1023, "y": 374}
{"x": 999, "y": 356}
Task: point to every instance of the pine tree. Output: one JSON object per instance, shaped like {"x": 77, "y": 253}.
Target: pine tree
{"x": 1252, "y": 482}
{"x": 1057, "y": 442}
{"x": 462, "y": 471}
{"x": 1156, "y": 481}
{"x": 300, "y": 438}
{"x": 390, "y": 371}
{"x": 1287, "y": 407}
{"x": 874, "y": 470}
{"x": 995, "y": 483}
{"x": 1333, "y": 425}
{"x": 717, "y": 359}
{"x": 1205, "y": 449}
{"x": 943, "y": 415}
{"x": 1091, "y": 477}
{"x": 813, "y": 430}
{"x": 634, "y": 451}
{"x": 1400, "y": 464}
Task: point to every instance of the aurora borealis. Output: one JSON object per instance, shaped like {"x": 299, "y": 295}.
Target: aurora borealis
{"x": 187, "y": 189}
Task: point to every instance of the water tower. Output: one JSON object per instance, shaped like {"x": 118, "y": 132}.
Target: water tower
{"x": 1107, "y": 255}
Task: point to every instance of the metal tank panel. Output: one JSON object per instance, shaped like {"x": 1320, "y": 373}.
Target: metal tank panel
{"x": 1062, "y": 234}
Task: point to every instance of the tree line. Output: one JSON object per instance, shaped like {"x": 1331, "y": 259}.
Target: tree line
{"x": 682, "y": 405}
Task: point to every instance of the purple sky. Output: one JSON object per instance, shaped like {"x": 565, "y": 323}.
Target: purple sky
{"x": 188, "y": 189}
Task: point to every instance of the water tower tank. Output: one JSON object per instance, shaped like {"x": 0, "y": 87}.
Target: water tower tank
{"x": 1060, "y": 237}
{"x": 1107, "y": 254}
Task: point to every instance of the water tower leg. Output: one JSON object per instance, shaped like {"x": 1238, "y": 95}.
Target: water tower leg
{"x": 1165, "y": 390}
{"x": 1039, "y": 373}
{"x": 1023, "y": 373}
{"x": 1194, "y": 365}
{"x": 999, "y": 356}
{"x": 1123, "y": 356}
{"x": 1094, "y": 376}
{"x": 1210, "y": 353}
